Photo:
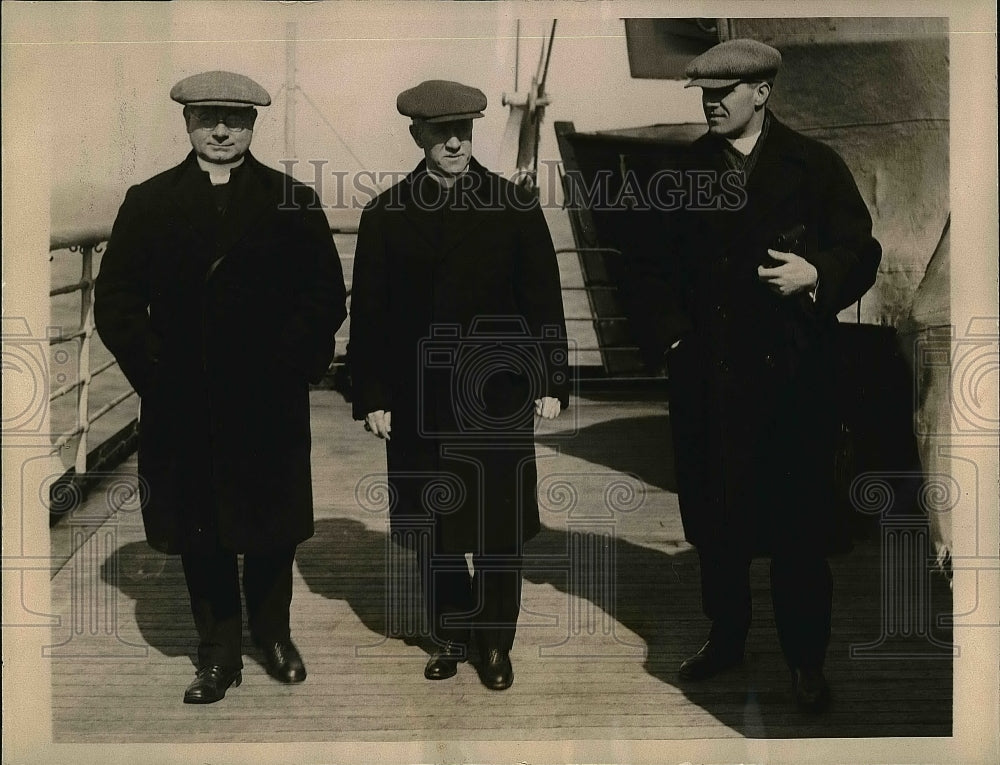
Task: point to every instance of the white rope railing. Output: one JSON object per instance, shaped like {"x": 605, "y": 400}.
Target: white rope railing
{"x": 82, "y": 339}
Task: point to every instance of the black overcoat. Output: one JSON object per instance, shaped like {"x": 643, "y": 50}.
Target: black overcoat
{"x": 456, "y": 328}
{"x": 219, "y": 322}
{"x": 753, "y": 382}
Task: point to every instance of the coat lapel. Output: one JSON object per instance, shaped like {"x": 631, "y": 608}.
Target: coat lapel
{"x": 248, "y": 207}
{"x": 725, "y": 228}
{"x": 475, "y": 194}
{"x": 415, "y": 209}
{"x": 445, "y": 230}
{"x": 779, "y": 175}
{"x": 191, "y": 195}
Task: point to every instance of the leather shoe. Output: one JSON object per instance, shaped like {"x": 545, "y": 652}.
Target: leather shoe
{"x": 444, "y": 663}
{"x": 712, "y": 659}
{"x": 284, "y": 662}
{"x": 495, "y": 670}
{"x": 812, "y": 694}
{"x": 211, "y": 683}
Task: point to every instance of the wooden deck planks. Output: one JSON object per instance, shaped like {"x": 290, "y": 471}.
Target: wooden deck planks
{"x": 596, "y": 654}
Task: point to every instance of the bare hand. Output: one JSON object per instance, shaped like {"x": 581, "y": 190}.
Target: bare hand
{"x": 379, "y": 424}
{"x": 547, "y": 408}
{"x": 794, "y": 274}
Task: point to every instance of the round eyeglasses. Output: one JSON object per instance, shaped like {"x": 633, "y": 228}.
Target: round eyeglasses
{"x": 235, "y": 121}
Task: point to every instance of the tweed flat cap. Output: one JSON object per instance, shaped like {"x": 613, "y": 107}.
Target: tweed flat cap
{"x": 441, "y": 101}
{"x": 731, "y": 62}
{"x": 219, "y": 89}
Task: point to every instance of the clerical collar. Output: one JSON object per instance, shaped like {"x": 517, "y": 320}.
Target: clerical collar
{"x": 745, "y": 144}
{"x": 218, "y": 174}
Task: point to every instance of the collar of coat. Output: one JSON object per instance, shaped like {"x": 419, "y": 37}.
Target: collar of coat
{"x": 256, "y": 192}
{"x": 781, "y": 170}
{"x": 445, "y": 218}
{"x": 476, "y": 180}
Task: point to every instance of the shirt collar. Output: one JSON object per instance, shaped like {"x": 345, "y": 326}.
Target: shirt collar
{"x": 443, "y": 182}
{"x": 745, "y": 144}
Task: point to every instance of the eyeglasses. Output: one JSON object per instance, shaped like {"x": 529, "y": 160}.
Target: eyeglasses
{"x": 237, "y": 122}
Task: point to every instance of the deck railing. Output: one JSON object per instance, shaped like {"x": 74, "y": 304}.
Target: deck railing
{"x": 590, "y": 289}
{"x": 87, "y": 245}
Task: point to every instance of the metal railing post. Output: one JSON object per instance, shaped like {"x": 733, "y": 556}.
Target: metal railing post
{"x": 87, "y": 328}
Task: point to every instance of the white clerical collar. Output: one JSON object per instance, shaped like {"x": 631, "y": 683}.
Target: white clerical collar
{"x": 745, "y": 144}
{"x": 218, "y": 174}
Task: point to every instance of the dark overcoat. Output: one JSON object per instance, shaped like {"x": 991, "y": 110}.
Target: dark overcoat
{"x": 753, "y": 382}
{"x": 219, "y": 321}
{"x": 456, "y": 328}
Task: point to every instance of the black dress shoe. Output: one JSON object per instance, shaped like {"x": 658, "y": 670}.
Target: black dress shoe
{"x": 284, "y": 662}
{"x": 211, "y": 683}
{"x": 712, "y": 659}
{"x": 444, "y": 662}
{"x": 812, "y": 694}
{"x": 495, "y": 670}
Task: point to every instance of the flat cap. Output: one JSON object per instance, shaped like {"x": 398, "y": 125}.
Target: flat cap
{"x": 219, "y": 89}
{"x": 441, "y": 101}
{"x": 731, "y": 62}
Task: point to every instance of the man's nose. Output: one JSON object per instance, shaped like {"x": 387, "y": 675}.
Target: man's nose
{"x": 220, "y": 131}
{"x": 454, "y": 143}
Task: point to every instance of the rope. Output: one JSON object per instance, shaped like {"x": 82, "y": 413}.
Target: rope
{"x": 332, "y": 128}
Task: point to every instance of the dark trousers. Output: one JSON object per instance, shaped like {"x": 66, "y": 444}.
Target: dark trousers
{"x": 214, "y": 587}
{"x": 484, "y": 605}
{"x": 801, "y": 592}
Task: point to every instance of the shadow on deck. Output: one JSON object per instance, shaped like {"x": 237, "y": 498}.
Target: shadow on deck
{"x": 610, "y": 609}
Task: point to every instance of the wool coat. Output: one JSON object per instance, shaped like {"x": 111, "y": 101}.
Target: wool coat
{"x": 220, "y": 320}
{"x": 753, "y": 382}
{"x": 456, "y": 328}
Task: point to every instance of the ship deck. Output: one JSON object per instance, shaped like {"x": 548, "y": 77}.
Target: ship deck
{"x": 610, "y": 609}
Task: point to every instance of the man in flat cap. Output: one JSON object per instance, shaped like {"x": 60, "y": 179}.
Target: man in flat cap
{"x": 457, "y": 343}
{"x": 744, "y": 304}
{"x": 219, "y": 295}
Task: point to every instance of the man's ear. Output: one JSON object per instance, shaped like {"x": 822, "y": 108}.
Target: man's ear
{"x": 253, "y": 117}
{"x": 416, "y": 133}
{"x": 186, "y": 111}
{"x": 761, "y": 94}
